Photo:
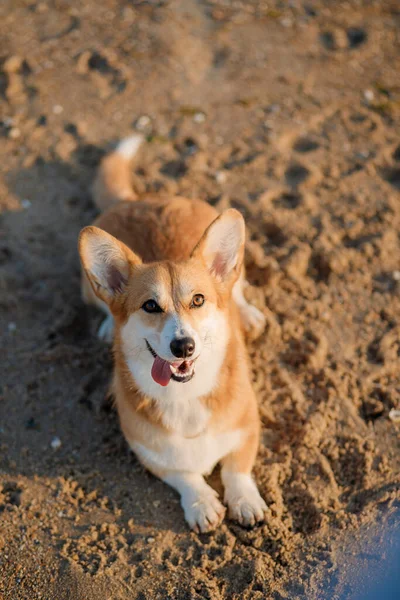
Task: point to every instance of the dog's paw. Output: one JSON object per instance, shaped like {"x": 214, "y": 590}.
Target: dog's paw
{"x": 253, "y": 319}
{"x": 205, "y": 513}
{"x": 106, "y": 330}
{"x": 244, "y": 502}
{"x": 247, "y": 511}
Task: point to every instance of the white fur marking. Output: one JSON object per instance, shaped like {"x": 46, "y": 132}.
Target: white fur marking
{"x": 176, "y": 328}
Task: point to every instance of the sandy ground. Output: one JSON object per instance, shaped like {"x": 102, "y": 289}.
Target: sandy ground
{"x": 288, "y": 111}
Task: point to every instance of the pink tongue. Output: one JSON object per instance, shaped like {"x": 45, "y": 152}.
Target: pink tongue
{"x": 160, "y": 371}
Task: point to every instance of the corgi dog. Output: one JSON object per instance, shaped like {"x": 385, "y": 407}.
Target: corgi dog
{"x": 168, "y": 273}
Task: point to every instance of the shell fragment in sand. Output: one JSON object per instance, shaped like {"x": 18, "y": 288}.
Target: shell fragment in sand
{"x": 394, "y": 415}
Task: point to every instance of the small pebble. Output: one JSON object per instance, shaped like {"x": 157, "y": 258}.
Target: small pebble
{"x": 286, "y": 22}
{"x": 273, "y": 108}
{"x": 12, "y": 326}
{"x": 394, "y": 415}
{"x": 369, "y": 95}
{"x": 220, "y": 176}
{"x": 268, "y": 124}
{"x": 151, "y": 540}
{"x": 396, "y": 275}
{"x": 14, "y": 133}
{"x": 25, "y": 203}
{"x": 199, "y": 117}
{"x": 55, "y": 443}
{"x": 143, "y": 122}
{"x": 57, "y": 109}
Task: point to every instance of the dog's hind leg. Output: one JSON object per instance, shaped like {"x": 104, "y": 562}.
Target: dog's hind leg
{"x": 253, "y": 319}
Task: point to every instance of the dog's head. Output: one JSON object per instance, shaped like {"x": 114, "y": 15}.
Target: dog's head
{"x": 172, "y": 318}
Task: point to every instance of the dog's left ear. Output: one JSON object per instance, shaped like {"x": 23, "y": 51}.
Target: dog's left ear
{"x": 222, "y": 246}
{"x": 107, "y": 262}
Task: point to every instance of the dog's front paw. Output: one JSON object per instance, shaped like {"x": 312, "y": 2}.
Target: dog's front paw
{"x": 247, "y": 511}
{"x": 253, "y": 320}
{"x": 243, "y": 499}
{"x": 205, "y": 512}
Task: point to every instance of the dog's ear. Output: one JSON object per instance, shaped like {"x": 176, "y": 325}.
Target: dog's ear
{"x": 222, "y": 246}
{"x": 107, "y": 262}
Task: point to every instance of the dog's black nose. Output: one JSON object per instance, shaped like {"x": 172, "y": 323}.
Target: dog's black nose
{"x": 182, "y": 347}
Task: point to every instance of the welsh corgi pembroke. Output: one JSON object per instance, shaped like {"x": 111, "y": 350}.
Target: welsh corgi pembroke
{"x": 168, "y": 273}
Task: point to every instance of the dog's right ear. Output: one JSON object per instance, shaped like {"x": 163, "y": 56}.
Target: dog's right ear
{"x": 222, "y": 246}
{"x": 107, "y": 262}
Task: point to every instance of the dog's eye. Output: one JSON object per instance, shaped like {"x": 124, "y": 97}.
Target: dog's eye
{"x": 151, "y": 306}
{"x": 197, "y": 301}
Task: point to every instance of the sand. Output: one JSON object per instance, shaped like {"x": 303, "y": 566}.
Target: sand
{"x": 288, "y": 111}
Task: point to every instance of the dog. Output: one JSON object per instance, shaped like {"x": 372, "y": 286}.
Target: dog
{"x": 168, "y": 273}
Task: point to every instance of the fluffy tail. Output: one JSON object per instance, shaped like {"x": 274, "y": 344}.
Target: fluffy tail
{"x": 113, "y": 179}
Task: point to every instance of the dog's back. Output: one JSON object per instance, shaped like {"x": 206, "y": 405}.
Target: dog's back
{"x": 156, "y": 227}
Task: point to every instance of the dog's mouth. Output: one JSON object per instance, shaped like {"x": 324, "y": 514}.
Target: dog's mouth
{"x": 163, "y": 371}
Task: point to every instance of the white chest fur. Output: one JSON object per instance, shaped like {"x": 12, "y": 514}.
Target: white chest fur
{"x": 187, "y": 417}
{"x": 190, "y": 445}
{"x": 194, "y": 455}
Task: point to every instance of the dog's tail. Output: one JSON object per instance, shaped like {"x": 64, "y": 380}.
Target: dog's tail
{"x": 113, "y": 179}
